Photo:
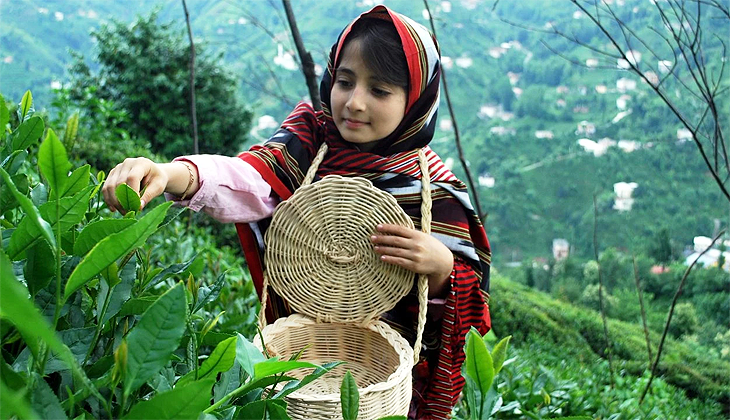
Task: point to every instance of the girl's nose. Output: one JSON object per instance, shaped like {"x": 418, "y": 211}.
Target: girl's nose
{"x": 356, "y": 101}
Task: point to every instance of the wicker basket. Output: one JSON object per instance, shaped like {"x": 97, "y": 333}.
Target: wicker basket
{"x": 319, "y": 258}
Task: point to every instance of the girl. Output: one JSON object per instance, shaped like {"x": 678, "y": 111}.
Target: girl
{"x": 380, "y": 96}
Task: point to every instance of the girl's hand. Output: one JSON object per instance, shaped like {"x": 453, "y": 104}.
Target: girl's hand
{"x": 417, "y": 252}
{"x": 137, "y": 173}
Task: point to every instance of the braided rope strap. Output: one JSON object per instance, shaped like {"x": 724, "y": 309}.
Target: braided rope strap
{"x": 425, "y": 228}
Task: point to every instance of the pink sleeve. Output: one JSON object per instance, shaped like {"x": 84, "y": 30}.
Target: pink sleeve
{"x": 231, "y": 190}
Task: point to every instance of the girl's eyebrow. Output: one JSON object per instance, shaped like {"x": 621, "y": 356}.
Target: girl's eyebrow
{"x": 351, "y": 72}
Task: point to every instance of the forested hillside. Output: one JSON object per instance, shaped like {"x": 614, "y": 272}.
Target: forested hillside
{"x": 507, "y": 88}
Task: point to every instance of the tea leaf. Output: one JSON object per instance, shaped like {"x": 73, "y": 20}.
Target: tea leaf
{"x": 44, "y": 402}
{"x": 122, "y": 291}
{"x": 137, "y": 306}
{"x": 72, "y": 128}
{"x": 14, "y": 160}
{"x": 479, "y": 365}
{"x": 114, "y": 247}
{"x": 297, "y": 384}
{"x": 127, "y": 197}
{"x": 264, "y": 409}
{"x": 72, "y": 211}
{"x": 169, "y": 271}
{"x": 499, "y": 353}
{"x": 18, "y": 309}
{"x": 31, "y": 212}
{"x": 247, "y": 355}
{"x": 28, "y": 133}
{"x": 98, "y": 230}
{"x": 273, "y": 366}
{"x": 25, "y": 105}
{"x": 222, "y": 359}
{"x": 4, "y": 115}
{"x": 53, "y": 161}
{"x": 13, "y": 402}
{"x": 349, "y": 397}
{"x": 206, "y": 294}
{"x": 157, "y": 335}
{"x": 40, "y": 267}
{"x": 183, "y": 402}
{"x": 76, "y": 182}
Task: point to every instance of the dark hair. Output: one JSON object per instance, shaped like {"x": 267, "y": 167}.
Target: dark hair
{"x": 381, "y": 50}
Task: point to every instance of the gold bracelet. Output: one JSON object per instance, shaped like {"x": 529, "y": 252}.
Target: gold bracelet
{"x": 190, "y": 183}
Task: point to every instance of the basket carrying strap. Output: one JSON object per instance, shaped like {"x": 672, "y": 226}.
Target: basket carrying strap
{"x": 425, "y": 227}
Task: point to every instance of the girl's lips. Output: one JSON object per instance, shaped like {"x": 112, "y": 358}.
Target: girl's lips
{"x": 354, "y": 123}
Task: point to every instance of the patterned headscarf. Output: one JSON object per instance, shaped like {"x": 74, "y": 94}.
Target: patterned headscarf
{"x": 393, "y": 167}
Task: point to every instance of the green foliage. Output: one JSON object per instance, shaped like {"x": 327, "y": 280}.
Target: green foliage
{"x": 92, "y": 323}
{"x": 143, "y": 70}
{"x": 479, "y": 371}
{"x": 576, "y": 335}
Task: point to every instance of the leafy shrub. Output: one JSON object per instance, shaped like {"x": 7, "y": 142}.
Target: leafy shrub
{"x": 91, "y": 325}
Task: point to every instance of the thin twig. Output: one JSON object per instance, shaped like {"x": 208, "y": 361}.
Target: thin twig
{"x": 475, "y": 193}
{"x": 193, "y": 111}
{"x": 305, "y": 56}
{"x": 600, "y": 292}
{"x": 643, "y": 311}
{"x": 671, "y": 312}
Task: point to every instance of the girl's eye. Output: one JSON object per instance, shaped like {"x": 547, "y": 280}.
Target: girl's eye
{"x": 344, "y": 83}
{"x": 380, "y": 92}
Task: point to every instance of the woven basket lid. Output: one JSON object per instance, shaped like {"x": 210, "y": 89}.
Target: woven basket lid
{"x": 319, "y": 256}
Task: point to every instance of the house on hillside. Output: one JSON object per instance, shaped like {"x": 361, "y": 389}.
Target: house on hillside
{"x": 502, "y": 131}
{"x": 561, "y": 249}
{"x": 601, "y": 89}
{"x": 683, "y": 135}
{"x": 581, "y": 109}
{"x": 622, "y": 64}
{"x": 633, "y": 56}
{"x": 496, "y": 52}
{"x": 486, "y": 180}
{"x": 517, "y": 91}
{"x": 664, "y": 66}
{"x": 464, "y": 62}
{"x": 513, "y": 78}
{"x": 445, "y": 124}
{"x": 629, "y": 146}
{"x": 623, "y": 200}
{"x": 624, "y": 85}
{"x": 711, "y": 257}
{"x": 562, "y": 89}
{"x": 620, "y": 116}
{"x": 284, "y": 59}
{"x": 623, "y": 102}
{"x": 586, "y": 128}
{"x": 591, "y": 62}
{"x": 544, "y": 134}
{"x": 652, "y": 77}
{"x": 489, "y": 111}
{"x": 560, "y": 103}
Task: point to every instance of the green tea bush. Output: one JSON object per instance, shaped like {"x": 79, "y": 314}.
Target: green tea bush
{"x": 95, "y": 323}
{"x": 578, "y": 334}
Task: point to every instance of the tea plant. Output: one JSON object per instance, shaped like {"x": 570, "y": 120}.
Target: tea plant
{"x": 90, "y": 326}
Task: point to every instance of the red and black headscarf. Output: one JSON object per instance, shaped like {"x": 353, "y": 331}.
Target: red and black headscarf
{"x": 393, "y": 167}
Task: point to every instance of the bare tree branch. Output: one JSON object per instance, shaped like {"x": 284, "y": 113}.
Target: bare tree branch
{"x": 305, "y": 56}
{"x": 671, "y": 312}
{"x": 475, "y": 193}
{"x": 193, "y": 111}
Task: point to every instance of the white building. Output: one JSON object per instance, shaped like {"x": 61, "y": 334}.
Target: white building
{"x": 629, "y": 146}
{"x": 486, "y": 180}
{"x": 664, "y": 66}
{"x": 623, "y": 102}
{"x": 544, "y": 134}
{"x": 623, "y": 84}
{"x": 284, "y": 59}
{"x": 587, "y": 128}
{"x": 591, "y": 62}
{"x": 684, "y": 134}
{"x": 502, "y": 131}
{"x": 561, "y": 249}
{"x": 623, "y": 200}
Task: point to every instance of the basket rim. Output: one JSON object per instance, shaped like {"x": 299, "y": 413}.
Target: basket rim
{"x": 400, "y": 279}
{"x": 405, "y": 354}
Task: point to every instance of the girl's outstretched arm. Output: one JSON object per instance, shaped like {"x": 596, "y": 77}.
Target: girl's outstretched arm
{"x": 418, "y": 252}
{"x": 175, "y": 178}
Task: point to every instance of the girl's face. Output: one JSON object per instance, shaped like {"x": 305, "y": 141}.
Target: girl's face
{"x": 364, "y": 108}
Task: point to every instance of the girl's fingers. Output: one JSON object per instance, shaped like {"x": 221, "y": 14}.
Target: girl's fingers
{"x": 402, "y": 262}
{"x": 388, "y": 240}
{"x": 395, "y": 230}
{"x": 394, "y": 252}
